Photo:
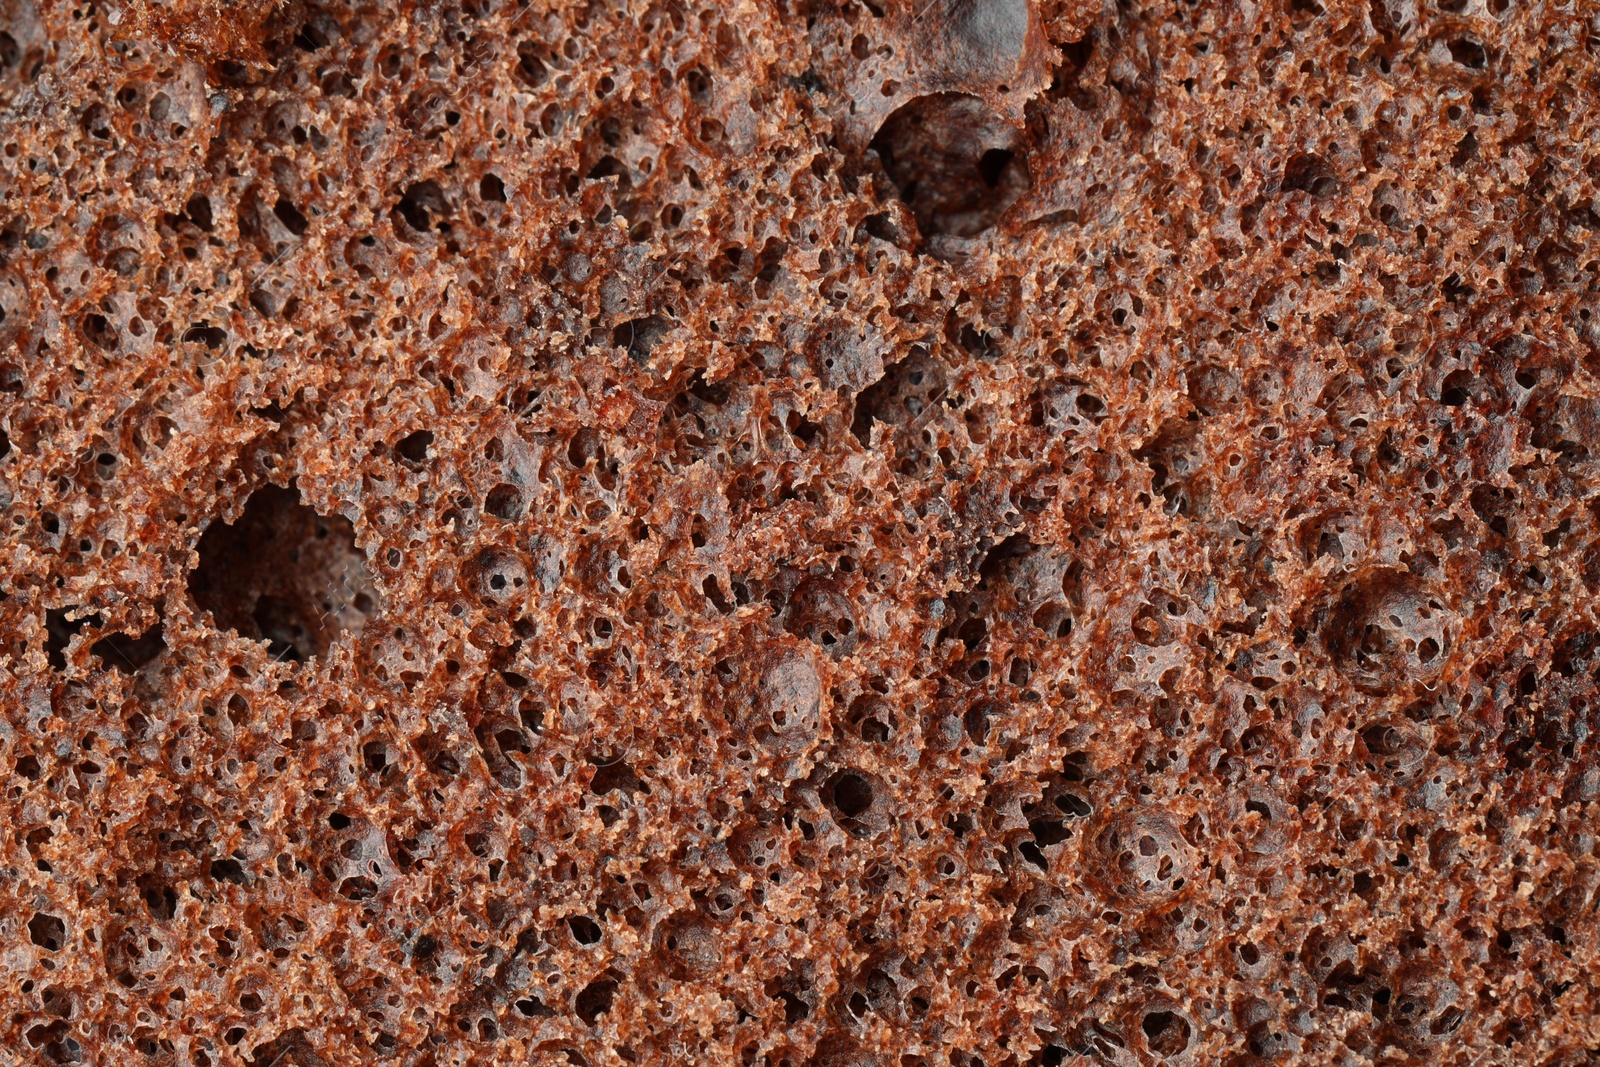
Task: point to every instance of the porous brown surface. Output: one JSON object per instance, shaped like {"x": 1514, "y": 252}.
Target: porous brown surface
{"x": 892, "y": 532}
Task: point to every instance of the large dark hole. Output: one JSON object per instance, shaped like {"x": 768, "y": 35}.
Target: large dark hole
{"x": 293, "y": 218}
{"x": 504, "y": 502}
{"x": 1166, "y": 1032}
{"x": 128, "y": 654}
{"x": 639, "y": 336}
{"x": 613, "y": 774}
{"x": 955, "y": 163}
{"x": 992, "y": 166}
{"x": 414, "y": 446}
{"x": 1456, "y": 389}
{"x": 100, "y": 332}
{"x": 1311, "y": 174}
{"x": 420, "y": 204}
{"x": 852, "y": 795}
{"x": 47, "y": 931}
{"x": 284, "y": 574}
{"x": 1469, "y": 53}
{"x": 595, "y": 999}
{"x": 206, "y": 334}
{"x": 229, "y": 870}
{"x": 1074, "y": 806}
{"x": 59, "y": 631}
{"x": 585, "y": 929}
{"x": 794, "y": 1009}
{"x": 530, "y": 68}
{"x": 310, "y": 38}
{"x": 199, "y": 211}
{"x": 159, "y": 897}
{"x": 534, "y": 1008}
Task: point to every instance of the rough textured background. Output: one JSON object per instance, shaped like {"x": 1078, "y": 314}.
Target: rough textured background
{"x": 798, "y": 532}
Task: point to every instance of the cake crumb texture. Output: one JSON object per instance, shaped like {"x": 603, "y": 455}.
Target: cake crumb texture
{"x": 799, "y": 533}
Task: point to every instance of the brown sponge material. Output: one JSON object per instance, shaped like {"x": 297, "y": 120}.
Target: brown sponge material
{"x": 890, "y": 533}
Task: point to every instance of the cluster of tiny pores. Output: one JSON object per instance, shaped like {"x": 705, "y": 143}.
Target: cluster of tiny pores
{"x": 656, "y": 533}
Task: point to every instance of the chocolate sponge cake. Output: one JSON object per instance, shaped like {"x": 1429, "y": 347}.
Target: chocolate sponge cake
{"x": 799, "y": 533}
